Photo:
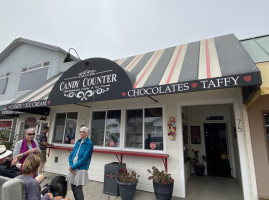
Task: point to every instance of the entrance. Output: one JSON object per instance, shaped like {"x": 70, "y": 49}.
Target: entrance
{"x": 216, "y": 149}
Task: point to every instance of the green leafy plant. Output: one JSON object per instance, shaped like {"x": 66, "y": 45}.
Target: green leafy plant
{"x": 160, "y": 176}
{"x": 128, "y": 177}
{"x": 195, "y": 160}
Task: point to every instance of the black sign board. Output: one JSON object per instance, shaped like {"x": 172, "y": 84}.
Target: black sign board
{"x": 94, "y": 79}
{"x": 240, "y": 80}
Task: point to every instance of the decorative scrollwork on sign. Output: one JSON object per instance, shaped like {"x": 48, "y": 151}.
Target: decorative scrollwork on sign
{"x": 86, "y": 73}
{"x": 83, "y": 95}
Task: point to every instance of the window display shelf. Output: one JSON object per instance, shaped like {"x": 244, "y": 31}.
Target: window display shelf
{"x": 121, "y": 153}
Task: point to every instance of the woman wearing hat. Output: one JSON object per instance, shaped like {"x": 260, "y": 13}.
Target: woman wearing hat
{"x": 7, "y": 167}
{"x": 25, "y": 147}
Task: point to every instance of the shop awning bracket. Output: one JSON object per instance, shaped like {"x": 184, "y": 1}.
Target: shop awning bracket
{"x": 153, "y": 99}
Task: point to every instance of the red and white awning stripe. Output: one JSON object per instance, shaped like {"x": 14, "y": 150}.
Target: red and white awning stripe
{"x": 208, "y": 66}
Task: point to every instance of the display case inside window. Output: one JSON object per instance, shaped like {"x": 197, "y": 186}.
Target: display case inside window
{"x": 65, "y": 128}
{"x": 106, "y": 128}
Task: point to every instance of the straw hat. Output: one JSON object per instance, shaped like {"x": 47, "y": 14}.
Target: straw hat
{"x": 4, "y": 152}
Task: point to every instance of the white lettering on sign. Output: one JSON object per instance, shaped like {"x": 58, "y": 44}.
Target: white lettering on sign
{"x": 33, "y": 104}
{"x": 219, "y": 82}
{"x": 100, "y": 80}
{"x": 179, "y": 87}
{"x": 88, "y": 85}
{"x": 69, "y": 85}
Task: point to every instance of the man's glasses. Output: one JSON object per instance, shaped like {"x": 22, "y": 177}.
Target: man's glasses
{"x": 82, "y": 131}
{"x": 30, "y": 134}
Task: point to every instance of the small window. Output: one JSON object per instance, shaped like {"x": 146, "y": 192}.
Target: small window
{"x": 4, "y": 82}
{"x": 65, "y": 128}
{"x": 106, "y": 128}
{"x": 33, "y": 75}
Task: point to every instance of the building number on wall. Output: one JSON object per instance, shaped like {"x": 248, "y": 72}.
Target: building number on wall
{"x": 239, "y": 126}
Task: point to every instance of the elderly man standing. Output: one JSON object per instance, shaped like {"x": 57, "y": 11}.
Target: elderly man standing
{"x": 7, "y": 167}
{"x": 43, "y": 144}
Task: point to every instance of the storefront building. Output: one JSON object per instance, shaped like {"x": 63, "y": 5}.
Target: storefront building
{"x": 258, "y": 113}
{"x": 153, "y": 110}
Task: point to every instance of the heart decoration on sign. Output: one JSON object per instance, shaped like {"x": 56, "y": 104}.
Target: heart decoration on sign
{"x": 247, "y": 78}
{"x": 194, "y": 85}
{"x": 123, "y": 94}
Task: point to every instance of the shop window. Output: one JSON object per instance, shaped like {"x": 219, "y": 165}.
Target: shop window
{"x": 106, "y": 128}
{"x": 266, "y": 120}
{"x": 144, "y": 125}
{"x": 65, "y": 128}
{"x": 3, "y": 82}
{"x": 33, "y": 76}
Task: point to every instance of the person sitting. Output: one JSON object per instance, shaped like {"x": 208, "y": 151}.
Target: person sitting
{"x": 32, "y": 187}
{"x": 8, "y": 167}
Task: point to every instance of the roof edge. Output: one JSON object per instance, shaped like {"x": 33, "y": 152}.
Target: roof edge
{"x": 18, "y": 41}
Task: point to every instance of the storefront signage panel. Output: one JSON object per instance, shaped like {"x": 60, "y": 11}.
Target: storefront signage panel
{"x": 34, "y": 104}
{"x": 94, "y": 79}
{"x": 199, "y": 85}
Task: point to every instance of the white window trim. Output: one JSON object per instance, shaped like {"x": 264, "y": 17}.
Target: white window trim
{"x": 7, "y": 82}
{"x": 30, "y": 71}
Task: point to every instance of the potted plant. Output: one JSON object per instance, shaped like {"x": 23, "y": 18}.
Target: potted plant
{"x": 127, "y": 182}
{"x": 199, "y": 167}
{"x": 163, "y": 183}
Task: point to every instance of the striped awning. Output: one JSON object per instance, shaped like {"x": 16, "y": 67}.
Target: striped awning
{"x": 215, "y": 63}
{"x": 211, "y": 58}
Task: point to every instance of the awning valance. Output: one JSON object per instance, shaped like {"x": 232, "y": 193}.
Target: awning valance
{"x": 214, "y": 63}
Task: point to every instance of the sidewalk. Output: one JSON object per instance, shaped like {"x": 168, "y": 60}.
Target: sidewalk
{"x": 94, "y": 191}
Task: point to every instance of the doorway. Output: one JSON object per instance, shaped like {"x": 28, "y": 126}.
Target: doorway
{"x": 216, "y": 149}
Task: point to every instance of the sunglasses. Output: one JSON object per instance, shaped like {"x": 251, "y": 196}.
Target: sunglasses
{"x": 82, "y": 131}
{"x": 30, "y": 134}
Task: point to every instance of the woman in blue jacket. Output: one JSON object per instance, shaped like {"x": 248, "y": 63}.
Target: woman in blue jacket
{"x": 79, "y": 161}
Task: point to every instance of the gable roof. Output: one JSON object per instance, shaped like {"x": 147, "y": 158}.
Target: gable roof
{"x": 17, "y": 42}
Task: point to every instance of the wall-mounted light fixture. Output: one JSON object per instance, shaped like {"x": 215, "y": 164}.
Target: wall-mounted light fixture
{"x": 69, "y": 59}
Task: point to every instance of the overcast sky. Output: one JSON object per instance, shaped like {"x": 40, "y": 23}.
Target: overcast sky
{"x": 120, "y": 28}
